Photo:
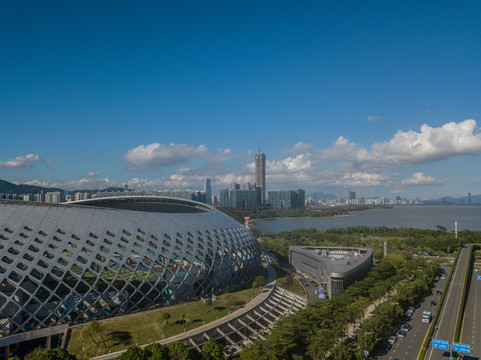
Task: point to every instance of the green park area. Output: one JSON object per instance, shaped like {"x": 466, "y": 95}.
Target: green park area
{"x": 147, "y": 327}
{"x": 289, "y": 282}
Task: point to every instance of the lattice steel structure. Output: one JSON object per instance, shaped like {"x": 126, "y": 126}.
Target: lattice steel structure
{"x": 97, "y": 258}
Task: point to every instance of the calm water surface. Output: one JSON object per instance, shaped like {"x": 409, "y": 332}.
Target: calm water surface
{"x": 415, "y": 216}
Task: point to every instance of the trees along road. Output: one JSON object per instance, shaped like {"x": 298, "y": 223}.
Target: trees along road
{"x": 410, "y": 346}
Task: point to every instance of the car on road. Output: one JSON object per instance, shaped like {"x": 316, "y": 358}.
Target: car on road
{"x": 392, "y": 339}
{"x": 439, "y": 292}
{"x": 433, "y": 303}
{"x": 409, "y": 313}
{"x": 387, "y": 347}
{"x": 406, "y": 327}
{"x": 401, "y": 333}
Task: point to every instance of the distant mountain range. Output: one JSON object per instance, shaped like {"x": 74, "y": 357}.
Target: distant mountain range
{"x": 10, "y": 188}
{"x": 475, "y": 199}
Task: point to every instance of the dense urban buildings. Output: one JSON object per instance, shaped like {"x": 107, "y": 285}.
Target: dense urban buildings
{"x": 287, "y": 199}
{"x": 97, "y": 258}
{"x": 334, "y": 267}
{"x": 239, "y": 199}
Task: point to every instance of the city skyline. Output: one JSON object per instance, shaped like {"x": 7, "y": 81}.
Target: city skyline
{"x": 379, "y": 97}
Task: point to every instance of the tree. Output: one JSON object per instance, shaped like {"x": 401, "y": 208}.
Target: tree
{"x": 155, "y": 351}
{"x": 182, "y": 317}
{"x": 166, "y": 317}
{"x": 227, "y": 300}
{"x": 178, "y": 351}
{"x": 213, "y": 350}
{"x": 50, "y": 354}
{"x": 208, "y": 304}
{"x": 133, "y": 353}
{"x": 258, "y": 282}
{"x": 93, "y": 328}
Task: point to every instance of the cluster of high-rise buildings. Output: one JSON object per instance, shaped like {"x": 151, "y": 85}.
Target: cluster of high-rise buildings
{"x": 48, "y": 197}
{"x": 253, "y": 195}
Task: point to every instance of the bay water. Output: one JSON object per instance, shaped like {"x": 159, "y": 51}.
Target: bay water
{"x": 406, "y": 216}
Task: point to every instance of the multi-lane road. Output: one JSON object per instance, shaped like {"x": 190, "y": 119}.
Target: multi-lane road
{"x": 471, "y": 332}
{"x": 409, "y": 346}
{"x": 448, "y": 316}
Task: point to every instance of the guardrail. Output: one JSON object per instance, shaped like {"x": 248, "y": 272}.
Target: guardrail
{"x": 462, "y": 306}
{"x": 427, "y": 339}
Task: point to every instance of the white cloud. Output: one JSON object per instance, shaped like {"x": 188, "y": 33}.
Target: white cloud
{"x": 408, "y": 147}
{"x": 93, "y": 173}
{"x": 36, "y": 183}
{"x": 145, "y": 157}
{"x": 299, "y": 148}
{"x": 86, "y": 184}
{"x": 343, "y": 163}
{"x": 364, "y": 179}
{"x": 22, "y": 161}
{"x": 420, "y": 179}
{"x": 430, "y": 144}
{"x": 373, "y": 118}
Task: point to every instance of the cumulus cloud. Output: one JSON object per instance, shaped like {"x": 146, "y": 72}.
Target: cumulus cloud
{"x": 222, "y": 155}
{"x": 430, "y": 144}
{"x": 364, "y": 179}
{"x": 145, "y": 157}
{"x": 373, "y": 118}
{"x": 408, "y": 147}
{"x": 86, "y": 184}
{"x": 420, "y": 179}
{"x": 346, "y": 162}
{"x": 299, "y": 148}
{"x": 36, "y": 182}
{"x": 22, "y": 161}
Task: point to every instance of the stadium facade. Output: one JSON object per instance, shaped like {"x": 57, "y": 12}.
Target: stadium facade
{"x": 97, "y": 258}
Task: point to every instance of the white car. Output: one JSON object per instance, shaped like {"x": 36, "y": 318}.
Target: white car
{"x": 392, "y": 340}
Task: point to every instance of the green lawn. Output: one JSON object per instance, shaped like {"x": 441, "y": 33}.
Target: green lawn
{"x": 289, "y": 282}
{"x": 147, "y": 327}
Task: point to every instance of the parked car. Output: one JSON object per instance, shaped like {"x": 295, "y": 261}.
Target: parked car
{"x": 433, "y": 303}
{"x": 406, "y": 327}
{"x": 401, "y": 333}
{"x": 387, "y": 347}
{"x": 392, "y": 339}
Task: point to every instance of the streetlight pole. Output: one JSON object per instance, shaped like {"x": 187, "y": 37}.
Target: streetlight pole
{"x": 365, "y": 342}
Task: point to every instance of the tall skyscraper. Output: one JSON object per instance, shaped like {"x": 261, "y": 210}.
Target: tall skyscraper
{"x": 208, "y": 191}
{"x": 261, "y": 177}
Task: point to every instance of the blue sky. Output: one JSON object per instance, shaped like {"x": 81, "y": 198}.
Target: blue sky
{"x": 381, "y": 96}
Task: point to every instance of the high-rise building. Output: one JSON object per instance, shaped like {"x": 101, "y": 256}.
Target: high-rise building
{"x": 288, "y": 199}
{"x": 239, "y": 199}
{"x": 53, "y": 197}
{"x": 261, "y": 177}
{"x": 208, "y": 191}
